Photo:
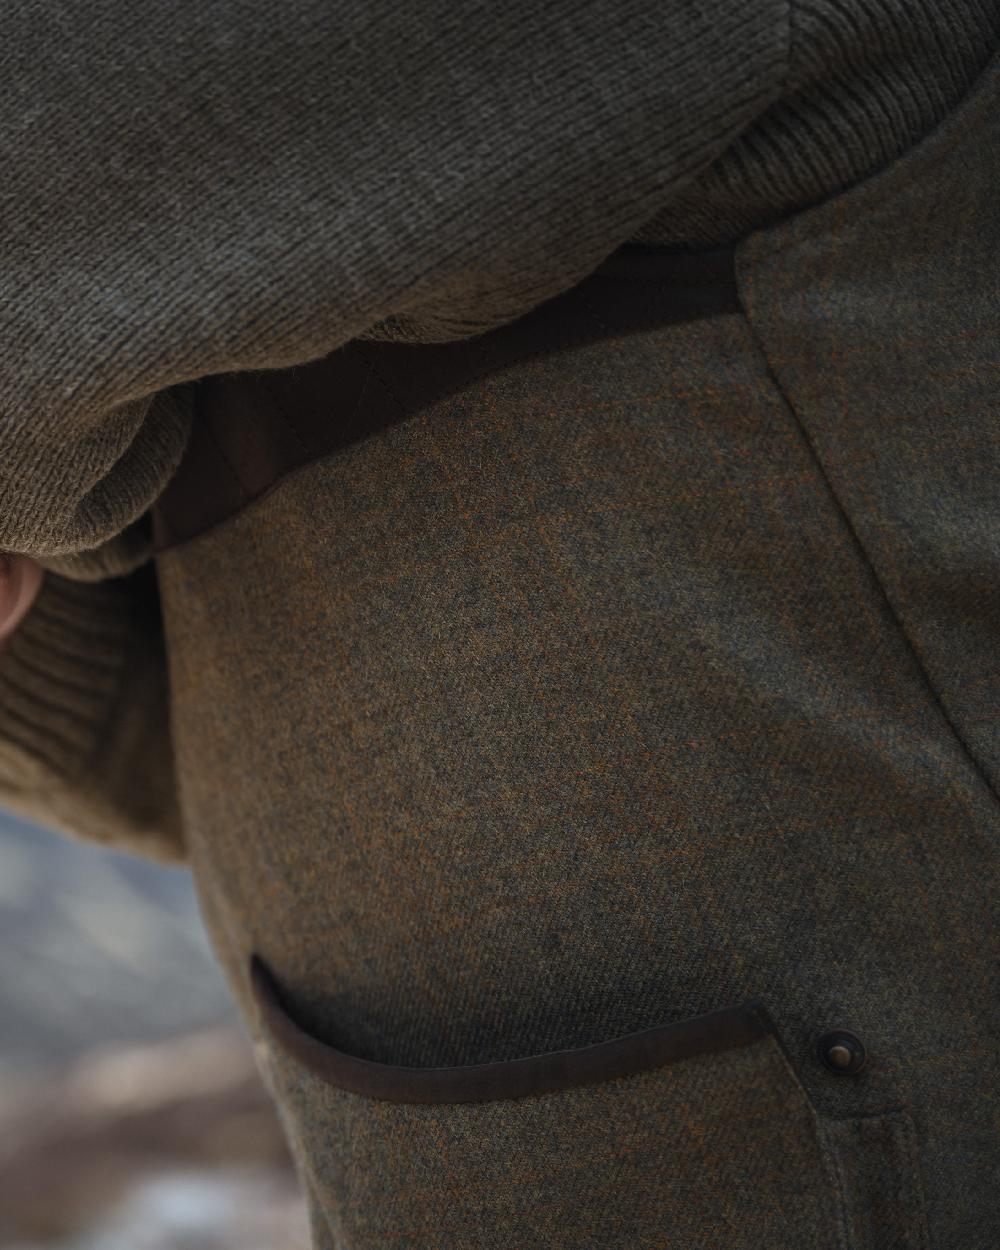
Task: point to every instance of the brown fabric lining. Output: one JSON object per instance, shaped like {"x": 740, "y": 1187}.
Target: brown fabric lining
{"x": 710, "y": 1033}
{"x": 253, "y": 428}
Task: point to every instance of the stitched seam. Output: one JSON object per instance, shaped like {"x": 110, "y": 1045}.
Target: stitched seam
{"x": 838, "y": 1182}
{"x": 210, "y": 433}
{"x": 389, "y": 390}
{"x": 363, "y": 390}
{"x": 913, "y": 1209}
{"x": 898, "y": 1168}
{"x": 265, "y": 384}
{"x": 593, "y": 312}
{"x": 867, "y": 560}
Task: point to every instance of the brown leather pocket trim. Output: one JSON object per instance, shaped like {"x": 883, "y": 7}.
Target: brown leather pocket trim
{"x": 253, "y": 428}
{"x": 710, "y": 1033}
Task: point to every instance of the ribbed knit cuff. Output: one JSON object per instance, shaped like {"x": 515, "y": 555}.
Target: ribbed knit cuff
{"x": 868, "y": 80}
{"x": 84, "y": 738}
{"x": 58, "y": 680}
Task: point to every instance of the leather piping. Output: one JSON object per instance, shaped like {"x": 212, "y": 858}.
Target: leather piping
{"x": 715, "y": 1031}
{"x": 253, "y": 428}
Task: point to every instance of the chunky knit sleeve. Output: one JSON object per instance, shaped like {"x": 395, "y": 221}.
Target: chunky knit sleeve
{"x": 84, "y": 724}
{"x": 193, "y": 189}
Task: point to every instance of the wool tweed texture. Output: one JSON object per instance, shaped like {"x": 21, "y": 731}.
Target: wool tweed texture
{"x": 624, "y": 683}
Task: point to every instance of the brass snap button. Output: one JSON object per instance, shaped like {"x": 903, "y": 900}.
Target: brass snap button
{"x": 841, "y": 1052}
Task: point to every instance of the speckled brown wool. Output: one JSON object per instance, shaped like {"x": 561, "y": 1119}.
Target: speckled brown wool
{"x": 636, "y": 677}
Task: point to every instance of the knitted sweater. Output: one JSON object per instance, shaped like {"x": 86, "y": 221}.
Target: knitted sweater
{"x": 191, "y": 190}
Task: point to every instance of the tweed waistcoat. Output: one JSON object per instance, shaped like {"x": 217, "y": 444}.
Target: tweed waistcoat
{"x": 589, "y": 754}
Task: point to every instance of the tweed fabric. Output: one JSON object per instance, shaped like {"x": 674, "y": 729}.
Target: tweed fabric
{"x": 900, "y": 295}
{"x": 596, "y": 700}
{"x": 671, "y": 1157}
{"x": 907, "y": 421}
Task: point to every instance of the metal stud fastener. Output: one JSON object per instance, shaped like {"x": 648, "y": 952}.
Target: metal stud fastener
{"x": 842, "y": 1052}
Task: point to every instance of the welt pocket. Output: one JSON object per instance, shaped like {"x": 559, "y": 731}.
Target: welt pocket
{"x": 691, "y": 1134}
{"x": 539, "y": 1074}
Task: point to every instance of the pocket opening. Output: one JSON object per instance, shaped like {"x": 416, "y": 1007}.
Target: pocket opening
{"x": 545, "y": 1073}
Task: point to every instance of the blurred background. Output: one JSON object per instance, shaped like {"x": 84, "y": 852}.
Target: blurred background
{"x": 131, "y": 1114}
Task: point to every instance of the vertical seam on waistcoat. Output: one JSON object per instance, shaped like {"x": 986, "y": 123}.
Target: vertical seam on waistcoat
{"x": 913, "y": 1206}
{"x": 362, "y": 392}
{"x": 834, "y": 1167}
{"x": 282, "y": 412}
{"x": 593, "y": 312}
{"x": 866, "y": 558}
{"x": 244, "y": 493}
